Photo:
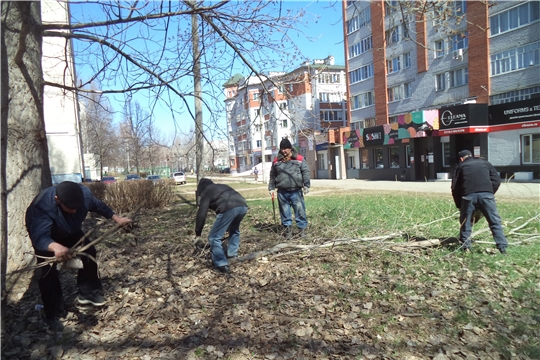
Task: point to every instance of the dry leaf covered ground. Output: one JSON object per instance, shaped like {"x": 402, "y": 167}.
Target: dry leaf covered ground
{"x": 354, "y": 301}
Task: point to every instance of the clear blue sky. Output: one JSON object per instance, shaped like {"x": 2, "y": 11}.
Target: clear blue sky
{"x": 324, "y": 32}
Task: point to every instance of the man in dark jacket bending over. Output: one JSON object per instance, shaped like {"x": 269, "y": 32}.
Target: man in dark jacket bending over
{"x": 230, "y": 208}
{"x": 53, "y": 221}
{"x": 474, "y": 185}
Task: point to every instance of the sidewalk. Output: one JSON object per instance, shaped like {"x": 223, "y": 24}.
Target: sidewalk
{"x": 521, "y": 190}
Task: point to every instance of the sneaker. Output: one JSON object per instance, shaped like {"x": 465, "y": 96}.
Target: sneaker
{"x": 225, "y": 269}
{"x": 54, "y": 324}
{"x": 94, "y": 298}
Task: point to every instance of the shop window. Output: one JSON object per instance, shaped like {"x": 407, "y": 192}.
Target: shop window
{"x": 378, "y": 157}
{"x": 350, "y": 162}
{"x": 365, "y": 159}
{"x": 408, "y": 155}
{"x": 530, "y": 149}
{"x": 394, "y": 157}
{"x": 322, "y": 161}
{"x": 445, "y": 154}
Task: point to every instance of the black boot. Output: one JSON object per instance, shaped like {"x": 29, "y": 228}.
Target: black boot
{"x": 287, "y": 232}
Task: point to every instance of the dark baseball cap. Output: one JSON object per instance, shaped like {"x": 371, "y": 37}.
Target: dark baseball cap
{"x": 464, "y": 153}
{"x": 70, "y": 194}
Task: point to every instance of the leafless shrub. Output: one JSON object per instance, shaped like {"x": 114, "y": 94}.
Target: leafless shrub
{"x": 124, "y": 196}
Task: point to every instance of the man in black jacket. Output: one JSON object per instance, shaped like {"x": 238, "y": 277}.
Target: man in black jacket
{"x": 474, "y": 185}
{"x": 53, "y": 221}
{"x": 230, "y": 208}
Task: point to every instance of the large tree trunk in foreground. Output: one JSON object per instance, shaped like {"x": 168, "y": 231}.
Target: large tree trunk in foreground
{"x": 25, "y": 163}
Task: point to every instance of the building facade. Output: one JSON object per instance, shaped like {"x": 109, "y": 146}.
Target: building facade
{"x": 262, "y": 110}
{"x": 424, "y": 85}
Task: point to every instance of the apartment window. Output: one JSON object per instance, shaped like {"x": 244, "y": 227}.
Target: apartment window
{"x": 360, "y": 74}
{"x": 365, "y": 159}
{"x": 445, "y": 154}
{"x": 459, "y": 41}
{"x": 530, "y": 149}
{"x": 378, "y": 157}
{"x": 336, "y": 79}
{"x": 359, "y": 21}
{"x": 515, "y": 59}
{"x": 363, "y": 100}
{"x": 258, "y": 127}
{"x": 407, "y": 60}
{"x": 281, "y": 89}
{"x": 256, "y": 96}
{"x": 259, "y": 143}
{"x": 330, "y": 115}
{"x": 391, "y": 6}
{"x": 515, "y": 18}
{"x": 392, "y": 119}
{"x": 439, "y": 48}
{"x": 395, "y": 93}
{"x": 360, "y": 47}
{"x": 515, "y": 95}
{"x": 394, "y": 157}
{"x": 283, "y": 106}
{"x": 284, "y": 124}
{"x": 440, "y": 82}
{"x": 459, "y": 77}
{"x": 407, "y": 90}
{"x": 329, "y": 97}
{"x": 393, "y": 65}
{"x": 392, "y": 35}
{"x": 458, "y": 7}
{"x": 257, "y": 112}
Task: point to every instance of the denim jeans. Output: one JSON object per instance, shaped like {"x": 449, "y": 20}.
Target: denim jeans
{"x": 229, "y": 220}
{"x": 485, "y": 202}
{"x": 295, "y": 200}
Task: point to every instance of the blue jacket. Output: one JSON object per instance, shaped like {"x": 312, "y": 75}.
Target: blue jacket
{"x": 46, "y": 222}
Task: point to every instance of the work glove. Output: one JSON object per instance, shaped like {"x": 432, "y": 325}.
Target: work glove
{"x": 306, "y": 190}
{"x": 272, "y": 192}
{"x": 198, "y": 242}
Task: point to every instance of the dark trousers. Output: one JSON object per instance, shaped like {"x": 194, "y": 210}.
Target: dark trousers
{"x": 88, "y": 279}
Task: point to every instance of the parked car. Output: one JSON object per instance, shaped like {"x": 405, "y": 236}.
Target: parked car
{"x": 154, "y": 178}
{"x": 179, "y": 177}
{"x": 225, "y": 171}
{"x": 132, "y": 177}
{"x": 108, "y": 180}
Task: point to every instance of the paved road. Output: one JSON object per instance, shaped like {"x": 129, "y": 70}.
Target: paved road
{"x": 520, "y": 190}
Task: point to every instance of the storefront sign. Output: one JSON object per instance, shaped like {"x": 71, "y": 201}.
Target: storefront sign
{"x": 515, "y": 115}
{"x": 373, "y": 136}
{"x": 463, "y": 119}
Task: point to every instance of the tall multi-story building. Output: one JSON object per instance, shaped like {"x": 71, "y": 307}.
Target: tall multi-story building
{"x": 428, "y": 79}
{"x": 262, "y": 110}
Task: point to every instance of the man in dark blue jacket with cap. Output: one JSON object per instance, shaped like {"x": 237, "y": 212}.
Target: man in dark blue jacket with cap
{"x": 53, "y": 221}
{"x": 474, "y": 185}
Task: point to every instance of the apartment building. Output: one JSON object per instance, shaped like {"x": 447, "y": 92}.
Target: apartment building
{"x": 425, "y": 83}
{"x": 262, "y": 110}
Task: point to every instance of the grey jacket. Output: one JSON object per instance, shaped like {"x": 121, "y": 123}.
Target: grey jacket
{"x": 289, "y": 175}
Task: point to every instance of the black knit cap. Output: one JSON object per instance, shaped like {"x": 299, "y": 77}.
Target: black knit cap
{"x": 70, "y": 194}
{"x": 464, "y": 153}
{"x": 285, "y": 144}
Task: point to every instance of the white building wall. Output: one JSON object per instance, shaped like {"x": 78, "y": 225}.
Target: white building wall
{"x": 504, "y": 146}
{"x": 61, "y": 115}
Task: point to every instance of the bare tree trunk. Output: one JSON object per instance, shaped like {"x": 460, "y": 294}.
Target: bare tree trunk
{"x": 198, "y": 94}
{"x": 25, "y": 163}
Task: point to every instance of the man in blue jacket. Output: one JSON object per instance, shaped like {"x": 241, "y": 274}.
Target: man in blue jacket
{"x": 474, "y": 185}
{"x": 53, "y": 221}
{"x": 290, "y": 175}
{"x": 230, "y": 208}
